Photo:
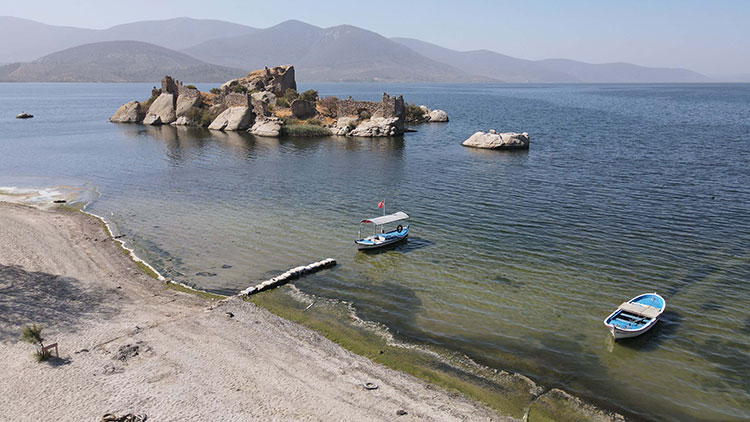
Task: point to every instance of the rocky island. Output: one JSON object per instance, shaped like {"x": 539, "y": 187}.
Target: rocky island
{"x": 266, "y": 103}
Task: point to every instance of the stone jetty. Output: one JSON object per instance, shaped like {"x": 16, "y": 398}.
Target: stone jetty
{"x": 289, "y": 275}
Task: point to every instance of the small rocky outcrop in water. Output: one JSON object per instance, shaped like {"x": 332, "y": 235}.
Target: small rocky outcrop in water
{"x": 129, "y": 112}
{"x": 422, "y": 114}
{"x": 438, "y": 116}
{"x": 495, "y": 140}
{"x": 24, "y": 115}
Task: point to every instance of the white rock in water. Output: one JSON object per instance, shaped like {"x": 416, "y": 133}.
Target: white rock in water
{"x": 438, "y": 116}
{"x": 233, "y": 118}
{"x": 163, "y": 107}
{"x": 508, "y": 140}
{"x": 269, "y": 127}
{"x": 129, "y": 112}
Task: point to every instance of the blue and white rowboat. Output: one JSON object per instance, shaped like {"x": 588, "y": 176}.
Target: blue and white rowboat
{"x": 636, "y": 316}
{"x": 380, "y": 237}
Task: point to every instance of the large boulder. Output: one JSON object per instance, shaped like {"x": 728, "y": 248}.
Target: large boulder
{"x": 185, "y": 102}
{"x": 269, "y": 126}
{"x": 233, "y": 118}
{"x": 129, "y": 112}
{"x": 494, "y": 140}
{"x": 302, "y": 109}
{"x": 163, "y": 108}
{"x": 379, "y": 126}
{"x": 438, "y": 116}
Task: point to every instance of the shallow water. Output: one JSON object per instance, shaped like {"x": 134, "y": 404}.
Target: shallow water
{"x": 514, "y": 258}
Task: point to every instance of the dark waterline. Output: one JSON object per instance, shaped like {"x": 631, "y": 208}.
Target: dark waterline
{"x": 514, "y": 259}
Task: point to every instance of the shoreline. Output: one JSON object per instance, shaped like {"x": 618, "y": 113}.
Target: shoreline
{"x": 193, "y": 360}
{"x": 508, "y": 394}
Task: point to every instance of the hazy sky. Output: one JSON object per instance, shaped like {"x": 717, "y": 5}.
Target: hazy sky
{"x": 712, "y": 37}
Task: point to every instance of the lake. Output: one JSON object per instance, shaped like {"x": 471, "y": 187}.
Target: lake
{"x": 514, "y": 258}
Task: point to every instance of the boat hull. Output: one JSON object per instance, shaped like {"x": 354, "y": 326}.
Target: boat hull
{"x": 619, "y": 334}
{"x": 364, "y": 246}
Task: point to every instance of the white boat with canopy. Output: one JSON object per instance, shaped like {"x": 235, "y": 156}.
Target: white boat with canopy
{"x": 380, "y": 237}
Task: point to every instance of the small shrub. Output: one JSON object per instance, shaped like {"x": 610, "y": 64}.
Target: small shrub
{"x": 33, "y": 334}
{"x": 309, "y": 95}
{"x": 194, "y": 113}
{"x": 203, "y": 116}
{"x": 41, "y": 355}
{"x": 282, "y": 102}
{"x": 304, "y": 131}
{"x": 290, "y": 95}
{"x": 190, "y": 87}
{"x": 364, "y": 115}
{"x": 215, "y": 91}
{"x": 414, "y": 114}
{"x": 314, "y": 122}
{"x": 209, "y": 114}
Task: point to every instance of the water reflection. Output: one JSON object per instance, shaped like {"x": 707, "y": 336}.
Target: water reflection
{"x": 179, "y": 139}
{"x": 503, "y": 155}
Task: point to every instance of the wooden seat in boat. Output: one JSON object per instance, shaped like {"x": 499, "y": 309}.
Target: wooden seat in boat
{"x": 640, "y": 310}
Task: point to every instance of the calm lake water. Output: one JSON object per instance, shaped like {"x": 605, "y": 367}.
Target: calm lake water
{"x": 514, "y": 259}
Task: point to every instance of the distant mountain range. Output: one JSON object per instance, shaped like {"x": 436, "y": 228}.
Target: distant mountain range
{"x": 117, "y": 61}
{"x": 26, "y": 40}
{"x": 211, "y": 49}
{"x": 510, "y": 69}
{"x": 339, "y": 53}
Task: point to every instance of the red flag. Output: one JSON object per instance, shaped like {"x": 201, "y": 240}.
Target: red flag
{"x": 381, "y": 204}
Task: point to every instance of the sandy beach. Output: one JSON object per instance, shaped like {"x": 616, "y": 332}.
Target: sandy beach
{"x": 129, "y": 345}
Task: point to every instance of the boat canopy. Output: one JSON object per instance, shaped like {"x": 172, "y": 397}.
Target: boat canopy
{"x": 385, "y": 219}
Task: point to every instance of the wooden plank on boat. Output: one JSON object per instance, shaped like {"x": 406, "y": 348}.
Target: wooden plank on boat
{"x": 640, "y": 310}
